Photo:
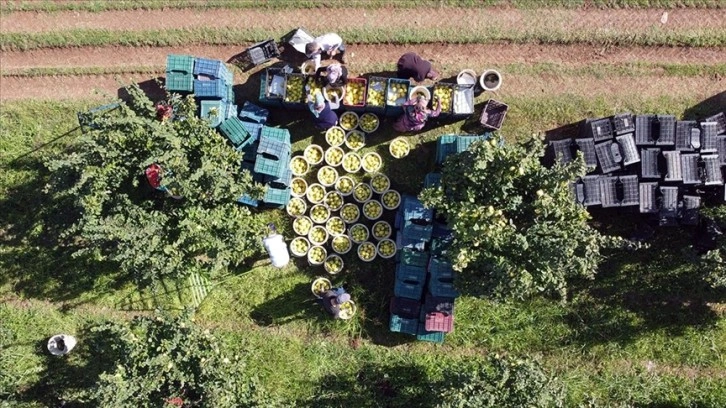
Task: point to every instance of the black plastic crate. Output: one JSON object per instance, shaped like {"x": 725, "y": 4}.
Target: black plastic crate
{"x": 493, "y": 114}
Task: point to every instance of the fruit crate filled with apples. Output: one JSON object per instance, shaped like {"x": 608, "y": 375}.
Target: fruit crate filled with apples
{"x": 444, "y": 92}
{"x": 355, "y": 94}
{"x": 396, "y": 95}
{"x": 295, "y": 96}
{"x": 376, "y": 94}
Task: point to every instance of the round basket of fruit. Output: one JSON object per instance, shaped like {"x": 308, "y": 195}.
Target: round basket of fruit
{"x": 371, "y": 162}
{"x": 335, "y": 226}
{"x": 344, "y": 186}
{"x": 333, "y": 264}
{"x": 349, "y": 120}
{"x": 327, "y": 176}
{"x": 302, "y": 225}
{"x": 380, "y": 183}
{"x": 368, "y": 122}
{"x": 366, "y": 251}
{"x": 313, "y": 154}
{"x": 335, "y": 136}
{"x": 391, "y": 199}
{"x": 372, "y": 209}
{"x": 319, "y": 213}
{"x": 358, "y": 233}
{"x": 341, "y": 244}
{"x": 362, "y": 192}
{"x": 355, "y": 139}
{"x": 334, "y": 95}
{"x": 299, "y": 166}
{"x": 320, "y": 286}
{"x": 298, "y": 187}
{"x": 317, "y": 255}
{"x": 381, "y": 230}
{"x": 421, "y": 91}
{"x": 334, "y": 156}
{"x": 299, "y": 246}
{"x": 317, "y": 235}
{"x": 399, "y": 148}
{"x": 386, "y": 248}
{"x": 333, "y": 200}
{"x": 347, "y": 310}
{"x": 315, "y": 193}
{"x": 350, "y": 213}
{"x": 296, "y": 206}
{"x": 351, "y": 162}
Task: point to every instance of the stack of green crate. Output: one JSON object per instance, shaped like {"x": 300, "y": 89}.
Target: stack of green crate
{"x": 179, "y": 73}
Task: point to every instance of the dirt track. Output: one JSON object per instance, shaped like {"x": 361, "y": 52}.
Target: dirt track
{"x": 322, "y": 20}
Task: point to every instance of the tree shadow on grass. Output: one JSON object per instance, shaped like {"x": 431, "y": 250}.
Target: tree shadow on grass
{"x": 373, "y": 385}
{"x": 65, "y": 379}
{"x": 635, "y": 292}
{"x": 296, "y": 304}
{"x": 35, "y": 257}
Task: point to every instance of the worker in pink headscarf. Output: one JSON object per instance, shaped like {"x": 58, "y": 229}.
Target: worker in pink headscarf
{"x": 415, "y": 114}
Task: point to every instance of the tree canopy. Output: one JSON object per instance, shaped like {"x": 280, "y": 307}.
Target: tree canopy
{"x": 122, "y": 219}
{"x": 517, "y": 230}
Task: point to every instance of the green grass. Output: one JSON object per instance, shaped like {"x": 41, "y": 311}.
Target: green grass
{"x": 100, "y": 6}
{"x": 643, "y": 307}
{"x": 372, "y": 35}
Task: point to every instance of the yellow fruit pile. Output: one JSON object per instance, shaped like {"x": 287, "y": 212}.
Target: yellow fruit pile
{"x": 341, "y": 244}
{"x": 335, "y": 226}
{"x": 335, "y": 136}
{"x": 299, "y": 246}
{"x": 387, "y": 248}
{"x": 315, "y": 193}
{"x": 348, "y": 120}
{"x": 362, "y": 192}
{"x": 366, "y": 251}
{"x": 397, "y": 93}
{"x": 371, "y": 162}
{"x": 381, "y": 230}
{"x": 350, "y": 213}
{"x": 294, "y": 89}
{"x": 333, "y": 264}
{"x": 319, "y": 214}
{"x": 351, "y": 162}
{"x": 445, "y": 94}
{"x": 355, "y": 140}
{"x": 391, "y": 199}
{"x": 296, "y": 206}
{"x": 299, "y": 165}
{"x": 368, "y": 122}
{"x": 399, "y": 148}
{"x": 317, "y": 255}
{"x": 372, "y": 209}
{"x": 302, "y": 225}
{"x": 334, "y": 156}
{"x": 375, "y": 93}
{"x": 344, "y": 185}
{"x": 354, "y": 93}
{"x": 317, "y": 235}
{"x": 358, "y": 233}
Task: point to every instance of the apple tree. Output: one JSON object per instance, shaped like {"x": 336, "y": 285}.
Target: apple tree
{"x": 195, "y": 226}
{"x": 517, "y": 230}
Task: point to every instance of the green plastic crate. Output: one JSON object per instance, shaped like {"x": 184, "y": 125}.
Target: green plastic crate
{"x": 277, "y": 196}
{"x": 281, "y": 135}
{"x": 232, "y": 128}
{"x": 445, "y": 146}
{"x": 179, "y": 82}
{"x": 206, "y": 107}
{"x": 180, "y": 63}
{"x": 433, "y": 337}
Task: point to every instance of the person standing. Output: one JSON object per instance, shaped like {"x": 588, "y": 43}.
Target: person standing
{"x": 323, "y": 116}
{"x": 336, "y": 75}
{"x": 330, "y": 44}
{"x": 411, "y": 65}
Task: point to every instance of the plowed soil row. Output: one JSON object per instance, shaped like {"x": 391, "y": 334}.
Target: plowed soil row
{"x": 324, "y": 20}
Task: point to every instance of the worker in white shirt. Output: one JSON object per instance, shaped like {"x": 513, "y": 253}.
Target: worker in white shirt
{"x": 330, "y": 44}
{"x": 276, "y": 248}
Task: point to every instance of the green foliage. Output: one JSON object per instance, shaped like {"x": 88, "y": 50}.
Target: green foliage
{"x": 502, "y": 382}
{"x": 123, "y": 220}
{"x": 517, "y": 229}
{"x": 166, "y": 361}
{"x": 713, "y": 263}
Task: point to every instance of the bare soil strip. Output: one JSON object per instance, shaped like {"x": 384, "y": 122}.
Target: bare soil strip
{"x": 474, "y": 56}
{"x": 324, "y": 20}
{"x": 99, "y": 86}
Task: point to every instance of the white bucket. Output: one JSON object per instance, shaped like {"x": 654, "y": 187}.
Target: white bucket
{"x": 419, "y": 89}
{"x": 466, "y": 77}
{"x": 487, "y": 82}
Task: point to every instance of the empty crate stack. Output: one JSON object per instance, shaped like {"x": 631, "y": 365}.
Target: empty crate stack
{"x": 423, "y": 290}
{"x": 650, "y": 163}
{"x": 179, "y": 73}
{"x": 213, "y": 90}
{"x": 452, "y": 144}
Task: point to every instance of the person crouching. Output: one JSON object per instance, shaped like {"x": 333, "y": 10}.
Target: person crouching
{"x": 323, "y": 117}
{"x": 415, "y": 114}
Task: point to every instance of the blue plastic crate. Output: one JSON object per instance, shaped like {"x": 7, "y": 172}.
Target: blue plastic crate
{"x": 254, "y": 129}
{"x": 232, "y": 128}
{"x": 432, "y": 180}
{"x": 400, "y": 324}
{"x": 440, "y": 269}
{"x": 434, "y": 337}
{"x": 463, "y": 142}
{"x": 417, "y": 232}
{"x": 376, "y": 83}
{"x": 249, "y": 151}
{"x": 214, "y": 89}
{"x": 441, "y": 230}
{"x": 408, "y": 256}
{"x": 278, "y": 134}
{"x": 180, "y": 64}
{"x": 276, "y": 196}
{"x": 213, "y": 111}
{"x": 269, "y": 167}
{"x": 179, "y": 82}
{"x": 283, "y": 181}
{"x": 230, "y": 110}
{"x": 247, "y": 200}
{"x": 253, "y": 113}
{"x": 395, "y": 110}
{"x": 409, "y": 290}
{"x": 412, "y": 208}
{"x": 443, "y": 287}
{"x": 403, "y": 242}
{"x": 439, "y": 245}
{"x": 212, "y": 68}
{"x": 406, "y": 308}
{"x": 230, "y": 93}
{"x": 445, "y": 146}
{"x": 409, "y": 273}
